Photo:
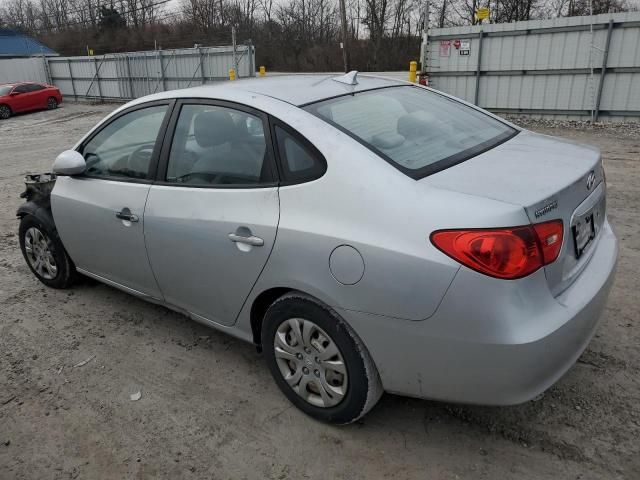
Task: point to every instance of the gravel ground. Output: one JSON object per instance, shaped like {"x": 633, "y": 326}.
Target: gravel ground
{"x": 209, "y": 408}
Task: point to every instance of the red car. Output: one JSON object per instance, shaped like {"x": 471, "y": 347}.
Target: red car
{"x": 25, "y": 96}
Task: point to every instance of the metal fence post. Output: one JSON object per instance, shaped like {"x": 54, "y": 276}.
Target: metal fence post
{"x": 73, "y": 86}
{"x": 233, "y": 41}
{"x": 95, "y": 66}
{"x": 603, "y": 71}
{"x": 146, "y": 69}
{"x": 477, "y": 91}
{"x": 164, "y": 80}
{"x": 204, "y": 77}
{"x": 46, "y": 69}
{"x": 96, "y": 77}
{"x": 131, "y": 92}
{"x": 252, "y": 60}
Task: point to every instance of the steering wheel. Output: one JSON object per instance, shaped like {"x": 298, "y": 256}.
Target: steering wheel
{"x": 203, "y": 177}
{"x": 140, "y": 159}
{"x": 92, "y": 160}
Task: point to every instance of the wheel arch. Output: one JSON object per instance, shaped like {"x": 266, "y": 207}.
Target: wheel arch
{"x": 259, "y": 307}
{"x": 41, "y": 213}
{"x": 45, "y": 215}
{"x": 264, "y": 299}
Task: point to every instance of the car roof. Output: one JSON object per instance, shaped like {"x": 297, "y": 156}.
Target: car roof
{"x": 303, "y": 89}
{"x": 296, "y": 89}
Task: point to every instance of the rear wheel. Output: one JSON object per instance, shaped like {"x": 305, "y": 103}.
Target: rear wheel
{"x": 318, "y": 361}
{"x": 44, "y": 253}
{"x": 52, "y": 103}
{"x": 5, "y": 112}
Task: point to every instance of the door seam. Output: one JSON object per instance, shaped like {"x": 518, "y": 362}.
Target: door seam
{"x": 146, "y": 251}
{"x": 273, "y": 245}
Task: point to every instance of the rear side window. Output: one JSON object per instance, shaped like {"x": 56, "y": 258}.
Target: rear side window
{"x": 34, "y": 87}
{"x": 418, "y": 131}
{"x": 214, "y": 146}
{"x": 299, "y": 161}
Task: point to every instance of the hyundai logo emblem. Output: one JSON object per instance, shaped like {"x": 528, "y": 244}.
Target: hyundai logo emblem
{"x": 591, "y": 179}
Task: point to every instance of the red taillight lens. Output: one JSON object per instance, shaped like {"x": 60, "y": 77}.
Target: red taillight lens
{"x": 507, "y": 253}
{"x": 550, "y": 236}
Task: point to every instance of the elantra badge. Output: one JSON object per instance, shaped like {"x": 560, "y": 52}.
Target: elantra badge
{"x": 546, "y": 209}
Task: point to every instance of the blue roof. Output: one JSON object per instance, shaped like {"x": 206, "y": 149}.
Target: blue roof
{"x": 16, "y": 44}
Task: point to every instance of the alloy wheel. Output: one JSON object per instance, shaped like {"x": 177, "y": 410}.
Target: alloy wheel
{"x": 5, "y": 112}
{"x": 310, "y": 362}
{"x": 51, "y": 103}
{"x": 39, "y": 254}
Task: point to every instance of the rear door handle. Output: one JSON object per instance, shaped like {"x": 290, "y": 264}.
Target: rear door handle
{"x": 125, "y": 214}
{"x": 252, "y": 240}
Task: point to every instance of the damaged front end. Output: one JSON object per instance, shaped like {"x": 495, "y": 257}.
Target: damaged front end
{"x": 39, "y": 188}
{"x": 38, "y": 197}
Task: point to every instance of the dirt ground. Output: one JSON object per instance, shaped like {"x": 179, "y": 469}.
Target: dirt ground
{"x": 209, "y": 408}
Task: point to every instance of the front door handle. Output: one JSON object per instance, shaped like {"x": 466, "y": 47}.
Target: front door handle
{"x": 125, "y": 214}
{"x": 251, "y": 240}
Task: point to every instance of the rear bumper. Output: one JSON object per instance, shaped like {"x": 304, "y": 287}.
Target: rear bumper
{"x": 492, "y": 342}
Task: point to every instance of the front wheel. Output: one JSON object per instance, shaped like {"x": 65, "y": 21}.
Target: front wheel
{"x": 44, "y": 253}
{"x": 318, "y": 361}
{"x": 5, "y": 112}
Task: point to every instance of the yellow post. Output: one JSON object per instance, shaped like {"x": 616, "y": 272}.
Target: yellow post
{"x": 263, "y": 71}
{"x": 413, "y": 67}
{"x": 232, "y": 74}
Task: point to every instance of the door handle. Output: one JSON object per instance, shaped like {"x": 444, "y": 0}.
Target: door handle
{"x": 125, "y": 214}
{"x": 252, "y": 240}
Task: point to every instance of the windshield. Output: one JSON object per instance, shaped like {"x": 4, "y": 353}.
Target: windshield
{"x": 418, "y": 131}
{"x": 5, "y": 89}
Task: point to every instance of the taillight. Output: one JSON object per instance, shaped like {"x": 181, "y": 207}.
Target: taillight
{"x": 507, "y": 253}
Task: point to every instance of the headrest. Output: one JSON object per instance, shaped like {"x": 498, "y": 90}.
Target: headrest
{"x": 417, "y": 124}
{"x": 214, "y": 127}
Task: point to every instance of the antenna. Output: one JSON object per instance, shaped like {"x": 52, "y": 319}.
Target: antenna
{"x": 348, "y": 78}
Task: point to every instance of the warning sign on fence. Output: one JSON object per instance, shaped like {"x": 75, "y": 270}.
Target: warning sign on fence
{"x": 445, "y": 48}
{"x": 465, "y": 47}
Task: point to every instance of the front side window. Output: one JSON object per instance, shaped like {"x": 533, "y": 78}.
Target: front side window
{"x": 216, "y": 146}
{"x": 22, "y": 89}
{"x": 124, "y": 148}
{"x": 418, "y": 131}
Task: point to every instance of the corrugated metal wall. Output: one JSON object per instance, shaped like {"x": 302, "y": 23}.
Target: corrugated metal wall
{"x": 543, "y": 67}
{"x": 23, "y": 69}
{"x": 135, "y": 74}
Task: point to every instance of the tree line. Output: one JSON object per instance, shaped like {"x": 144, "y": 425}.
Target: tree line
{"x": 290, "y": 35}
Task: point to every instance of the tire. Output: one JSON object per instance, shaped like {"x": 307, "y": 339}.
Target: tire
{"x": 44, "y": 253}
{"x": 52, "y": 103}
{"x": 345, "y": 399}
{"x": 5, "y": 112}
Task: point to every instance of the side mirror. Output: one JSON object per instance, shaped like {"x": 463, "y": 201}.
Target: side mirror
{"x": 69, "y": 162}
{"x": 14, "y": 93}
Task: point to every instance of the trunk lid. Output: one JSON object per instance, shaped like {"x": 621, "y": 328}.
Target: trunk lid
{"x": 550, "y": 178}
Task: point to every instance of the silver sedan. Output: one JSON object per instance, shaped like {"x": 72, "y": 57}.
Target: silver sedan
{"x": 366, "y": 234}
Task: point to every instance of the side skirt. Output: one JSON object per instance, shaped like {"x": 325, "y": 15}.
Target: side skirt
{"x": 230, "y": 330}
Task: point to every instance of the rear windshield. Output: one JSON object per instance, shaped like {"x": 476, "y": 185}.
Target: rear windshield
{"x": 5, "y": 89}
{"x": 418, "y": 131}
